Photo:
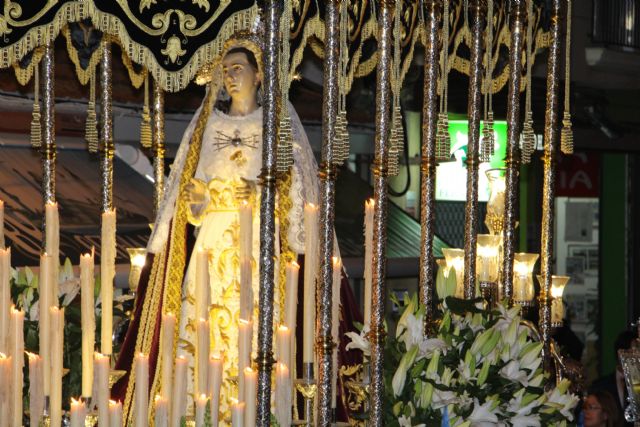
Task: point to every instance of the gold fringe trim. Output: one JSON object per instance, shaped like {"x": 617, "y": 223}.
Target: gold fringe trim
{"x": 176, "y": 80}
{"x": 23, "y": 75}
{"x": 84, "y": 75}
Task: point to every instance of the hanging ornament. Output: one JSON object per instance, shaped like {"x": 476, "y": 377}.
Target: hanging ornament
{"x": 528, "y": 136}
{"x": 488, "y": 139}
{"x": 146, "y": 139}
{"x": 285, "y": 132}
{"x": 566, "y": 135}
{"x": 443, "y": 139}
{"x": 36, "y": 126}
{"x": 91, "y": 124}
{"x": 341, "y": 145}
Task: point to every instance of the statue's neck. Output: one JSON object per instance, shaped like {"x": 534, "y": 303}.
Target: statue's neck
{"x": 242, "y": 107}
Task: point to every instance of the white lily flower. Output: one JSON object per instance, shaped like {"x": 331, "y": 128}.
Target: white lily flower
{"x": 442, "y": 398}
{"x": 400, "y": 376}
{"x": 564, "y": 402}
{"x": 465, "y": 372}
{"x": 525, "y": 421}
{"x": 402, "y": 322}
{"x": 412, "y": 330}
{"x": 405, "y": 421}
{"x": 512, "y": 372}
{"x": 359, "y": 342}
{"x": 430, "y": 345}
{"x": 483, "y": 414}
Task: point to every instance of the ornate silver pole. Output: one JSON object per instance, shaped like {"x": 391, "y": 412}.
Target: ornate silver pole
{"x": 478, "y": 12}
{"x": 271, "y": 110}
{"x": 381, "y": 197}
{"x": 433, "y": 19}
{"x": 513, "y": 143}
{"x": 106, "y": 126}
{"x": 327, "y": 174}
{"x": 158, "y": 144}
{"x": 551, "y": 137}
{"x": 49, "y": 129}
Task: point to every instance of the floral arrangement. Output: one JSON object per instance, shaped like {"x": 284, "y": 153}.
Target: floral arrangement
{"x": 479, "y": 368}
{"x": 24, "y": 291}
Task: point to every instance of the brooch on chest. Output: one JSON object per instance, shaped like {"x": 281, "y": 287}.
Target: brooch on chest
{"x": 223, "y": 140}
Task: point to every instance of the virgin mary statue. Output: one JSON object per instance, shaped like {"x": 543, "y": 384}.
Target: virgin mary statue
{"x": 215, "y": 172}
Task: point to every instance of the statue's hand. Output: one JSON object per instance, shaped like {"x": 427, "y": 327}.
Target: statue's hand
{"x": 244, "y": 189}
{"x": 195, "y": 191}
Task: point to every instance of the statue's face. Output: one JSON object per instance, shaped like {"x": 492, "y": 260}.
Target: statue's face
{"x": 241, "y": 79}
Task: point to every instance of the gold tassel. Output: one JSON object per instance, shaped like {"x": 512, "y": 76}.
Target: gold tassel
{"x": 488, "y": 139}
{"x": 397, "y": 135}
{"x": 91, "y": 124}
{"x": 285, "y": 145}
{"x": 146, "y": 139}
{"x": 342, "y": 139}
{"x": 443, "y": 139}
{"x": 566, "y": 134}
{"x": 36, "y": 127}
{"x": 528, "y": 138}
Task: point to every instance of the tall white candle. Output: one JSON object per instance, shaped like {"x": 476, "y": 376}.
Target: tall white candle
{"x": 107, "y": 273}
{"x": 88, "y": 321}
{"x": 36, "y": 391}
{"x": 162, "y": 412}
{"x": 115, "y": 414}
{"x": 141, "y": 409}
{"x": 203, "y": 299}
{"x": 201, "y": 405}
{"x": 44, "y": 330}
{"x": 52, "y": 244}
{"x": 215, "y": 381}
{"x": 101, "y": 371}
{"x": 246, "y": 289}
{"x": 168, "y": 329}
{"x": 368, "y": 258}
{"x": 283, "y": 395}
{"x": 283, "y": 345}
{"x": 17, "y": 355}
{"x": 202, "y": 356}
{"x": 2, "y": 243}
{"x": 245, "y": 333}
{"x": 246, "y": 245}
{"x": 246, "y": 230}
{"x": 250, "y": 389}
{"x": 291, "y": 298}
{"x": 5, "y": 392}
{"x": 179, "y": 402}
{"x": 78, "y": 413}
{"x": 237, "y": 413}
{"x": 310, "y": 273}
{"x": 5, "y": 298}
{"x": 335, "y": 322}
{"x": 56, "y": 317}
